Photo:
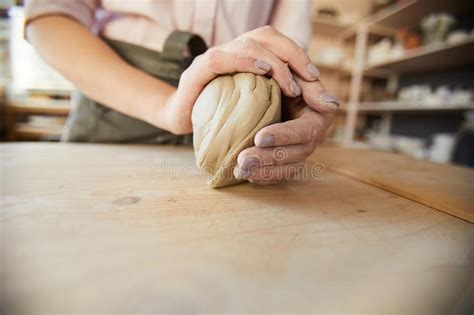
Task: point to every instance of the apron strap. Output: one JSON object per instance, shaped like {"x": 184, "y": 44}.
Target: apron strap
{"x": 183, "y": 47}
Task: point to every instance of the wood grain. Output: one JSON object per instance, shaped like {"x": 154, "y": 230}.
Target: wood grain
{"x": 444, "y": 187}
{"x": 133, "y": 229}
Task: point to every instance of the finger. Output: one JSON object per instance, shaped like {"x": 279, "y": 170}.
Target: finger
{"x": 216, "y": 62}
{"x": 316, "y": 96}
{"x": 255, "y": 156}
{"x": 287, "y": 50}
{"x": 207, "y": 67}
{"x": 273, "y": 172}
{"x": 328, "y": 118}
{"x": 279, "y": 69}
{"x": 304, "y": 129}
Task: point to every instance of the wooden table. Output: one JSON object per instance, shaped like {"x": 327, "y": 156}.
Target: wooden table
{"x": 446, "y": 188}
{"x": 134, "y": 229}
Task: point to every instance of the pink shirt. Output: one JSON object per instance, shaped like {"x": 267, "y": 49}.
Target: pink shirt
{"x": 148, "y": 23}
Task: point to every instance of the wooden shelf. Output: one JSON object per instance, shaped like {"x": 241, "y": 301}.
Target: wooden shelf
{"x": 391, "y": 106}
{"x": 32, "y": 132}
{"x": 375, "y": 33}
{"x": 331, "y": 67}
{"x": 409, "y": 13}
{"x": 57, "y": 91}
{"x": 331, "y": 27}
{"x": 41, "y": 107}
{"x": 431, "y": 57}
{"x": 328, "y": 26}
{"x": 406, "y": 14}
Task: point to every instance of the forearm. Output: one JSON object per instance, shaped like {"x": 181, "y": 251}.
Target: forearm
{"x": 98, "y": 71}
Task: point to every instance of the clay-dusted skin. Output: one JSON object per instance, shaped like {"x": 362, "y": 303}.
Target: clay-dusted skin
{"x": 226, "y": 117}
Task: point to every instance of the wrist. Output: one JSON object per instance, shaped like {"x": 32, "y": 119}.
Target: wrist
{"x": 174, "y": 118}
{"x": 156, "y": 106}
{"x": 166, "y": 115}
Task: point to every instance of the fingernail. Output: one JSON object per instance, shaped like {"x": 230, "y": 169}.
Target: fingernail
{"x": 267, "y": 141}
{"x": 313, "y": 71}
{"x": 263, "y": 65}
{"x": 250, "y": 162}
{"x": 241, "y": 174}
{"x": 329, "y": 101}
{"x": 295, "y": 89}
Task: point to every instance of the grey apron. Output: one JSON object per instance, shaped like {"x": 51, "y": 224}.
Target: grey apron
{"x": 90, "y": 121}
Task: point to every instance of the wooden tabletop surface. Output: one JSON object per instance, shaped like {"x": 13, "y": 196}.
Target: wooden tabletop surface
{"x": 134, "y": 229}
{"x": 444, "y": 187}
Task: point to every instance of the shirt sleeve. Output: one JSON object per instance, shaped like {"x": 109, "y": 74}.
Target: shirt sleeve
{"x": 293, "y": 18}
{"x": 82, "y": 11}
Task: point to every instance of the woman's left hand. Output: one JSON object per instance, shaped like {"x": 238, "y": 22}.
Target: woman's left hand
{"x": 280, "y": 148}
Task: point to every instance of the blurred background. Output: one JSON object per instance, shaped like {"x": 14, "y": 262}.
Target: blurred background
{"x": 402, "y": 69}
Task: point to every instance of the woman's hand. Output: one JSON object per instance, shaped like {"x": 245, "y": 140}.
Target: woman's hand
{"x": 279, "y": 148}
{"x": 263, "y": 51}
{"x": 308, "y": 107}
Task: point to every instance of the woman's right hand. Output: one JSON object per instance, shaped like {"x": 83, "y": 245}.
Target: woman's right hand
{"x": 263, "y": 51}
